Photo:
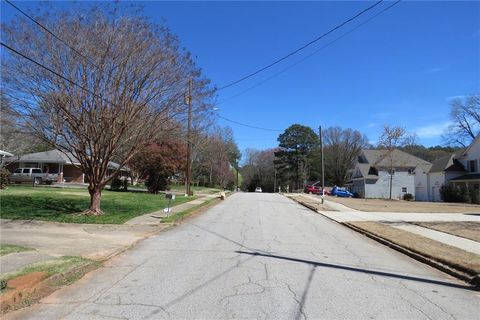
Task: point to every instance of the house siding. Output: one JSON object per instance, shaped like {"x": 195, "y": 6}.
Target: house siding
{"x": 381, "y": 189}
{"x": 421, "y": 185}
{"x": 72, "y": 174}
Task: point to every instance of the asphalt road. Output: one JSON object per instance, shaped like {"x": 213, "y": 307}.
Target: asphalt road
{"x": 261, "y": 256}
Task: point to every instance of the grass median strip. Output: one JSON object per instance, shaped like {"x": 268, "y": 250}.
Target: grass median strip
{"x": 451, "y": 256}
{"x": 183, "y": 214}
{"x": 51, "y": 267}
{"x": 11, "y": 248}
{"x": 23, "y": 288}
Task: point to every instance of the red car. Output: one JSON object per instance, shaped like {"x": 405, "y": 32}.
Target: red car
{"x": 313, "y": 189}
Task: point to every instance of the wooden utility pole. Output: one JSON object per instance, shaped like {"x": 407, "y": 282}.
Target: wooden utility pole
{"x": 323, "y": 167}
{"x": 189, "y": 139}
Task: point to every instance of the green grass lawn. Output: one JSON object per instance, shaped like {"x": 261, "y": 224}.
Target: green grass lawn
{"x": 181, "y": 188}
{"x": 63, "y": 205}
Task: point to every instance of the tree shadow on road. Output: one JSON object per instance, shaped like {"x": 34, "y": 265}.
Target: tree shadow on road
{"x": 367, "y": 271}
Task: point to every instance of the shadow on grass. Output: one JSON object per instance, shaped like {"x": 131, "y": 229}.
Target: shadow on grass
{"x": 34, "y": 207}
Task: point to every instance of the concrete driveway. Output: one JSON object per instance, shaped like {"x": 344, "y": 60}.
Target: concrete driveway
{"x": 260, "y": 256}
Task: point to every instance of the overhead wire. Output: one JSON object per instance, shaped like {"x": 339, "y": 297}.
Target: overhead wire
{"x": 302, "y": 47}
{"x": 310, "y": 55}
{"x": 44, "y": 28}
{"x": 248, "y": 125}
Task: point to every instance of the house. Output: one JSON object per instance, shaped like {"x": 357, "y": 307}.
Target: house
{"x": 470, "y": 159}
{"x": 459, "y": 169}
{"x": 428, "y": 181}
{"x": 55, "y": 162}
{"x": 370, "y": 176}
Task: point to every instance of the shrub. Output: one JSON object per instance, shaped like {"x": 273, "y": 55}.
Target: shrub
{"x": 451, "y": 194}
{"x": 156, "y": 181}
{"x": 119, "y": 184}
{"x": 408, "y": 197}
{"x": 4, "y": 178}
{"x": 460, "y": 194}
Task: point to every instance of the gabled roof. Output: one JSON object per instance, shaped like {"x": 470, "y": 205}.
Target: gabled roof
{"x": 465, "y": 152}
{"x": 56, "y": 156}
{"x": 51, "y": 156}
{"x": 400, "y": 159}
{"x": 447, "y": 163}
{"x": 426, "y": 167}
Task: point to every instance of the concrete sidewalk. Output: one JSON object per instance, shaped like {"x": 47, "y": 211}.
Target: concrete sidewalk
{"x": 402, "y": 221}
{"x": 51, "y": 240}
{"x": 346, "y": 214}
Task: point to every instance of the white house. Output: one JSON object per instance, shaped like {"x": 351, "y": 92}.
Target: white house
{"x": 470, "y": 159}
{"x": 459, "y": 169}
{"x": 370, "y": 177}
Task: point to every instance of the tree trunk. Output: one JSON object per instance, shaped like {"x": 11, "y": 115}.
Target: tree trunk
{"x": 95, "y": 198}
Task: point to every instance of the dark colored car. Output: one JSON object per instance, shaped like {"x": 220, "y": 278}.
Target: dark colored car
{"x": 341, "y": 192}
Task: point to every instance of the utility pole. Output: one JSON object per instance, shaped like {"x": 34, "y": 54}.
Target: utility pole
{"x": 274, "y": 179}
{"x": 323, "y": 167}
{"x": 236, "y": 169}
{"x": 189, "y": 139}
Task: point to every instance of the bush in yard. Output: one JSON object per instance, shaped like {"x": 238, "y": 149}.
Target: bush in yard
{"x": 460, "y": 194}
{"x": 158, "y": 162}
{"x": 119, "y": 184}
{"x": 4, "y": 178}
{"x": 475, "y": 195}
{"x": 408, "y": 197}
{"x": 156, "y": 181}
{"x": 451, "y": 194}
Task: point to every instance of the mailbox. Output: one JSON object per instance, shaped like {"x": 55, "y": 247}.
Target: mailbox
{"x": 170, "y": 196}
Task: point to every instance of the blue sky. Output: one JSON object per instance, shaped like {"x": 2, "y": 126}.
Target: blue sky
{"x": 401, "y": 68}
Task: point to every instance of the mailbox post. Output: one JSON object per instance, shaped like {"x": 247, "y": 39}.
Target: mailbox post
{"x": 170, "y": 197}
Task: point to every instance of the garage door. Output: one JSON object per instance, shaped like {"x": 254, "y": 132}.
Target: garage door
{"x": 436, "y": 194}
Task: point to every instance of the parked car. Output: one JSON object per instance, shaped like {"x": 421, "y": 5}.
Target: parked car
{"x": 258, "y": 189}
{"x": 32, "y": 175}
{"x": 313, "y": 189}
{"x": 341, "y": 192}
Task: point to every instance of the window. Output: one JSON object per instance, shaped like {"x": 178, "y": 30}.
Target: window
{"x": 404, "y": 189}
{"x": 36, "y": 171}
{"x": 472, "y": 166}
{"x": 18, "y": 171}
{"x": 411, "y": 171}
{"x": 26, "y": 170}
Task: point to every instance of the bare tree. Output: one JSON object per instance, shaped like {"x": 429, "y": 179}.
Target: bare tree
{"x": 119, "y": 96}
{"x": 392, "y": 138}
{"x": 465, "y": 118}
{"x": 342, "y": 147}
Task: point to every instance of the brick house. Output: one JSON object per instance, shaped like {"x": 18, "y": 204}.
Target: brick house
{"x": 55, "y": 162}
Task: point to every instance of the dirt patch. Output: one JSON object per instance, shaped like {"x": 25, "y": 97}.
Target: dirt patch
{"x": 27, "y": 280}
{"x": 309, "y": 203}
{"x": 465, "y": 229}
{"x": 382, "y": 205}
{"x": 34, "y": 286}
{"x": 451, "y": 256}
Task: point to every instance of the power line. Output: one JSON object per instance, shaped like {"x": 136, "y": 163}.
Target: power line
{"x": 50, "y": 70}
{"x": 248, "y": 125}
{"x": 310, "y": 55}
{"x": 51, "y": 33}
{"x": 302, "y": 47}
